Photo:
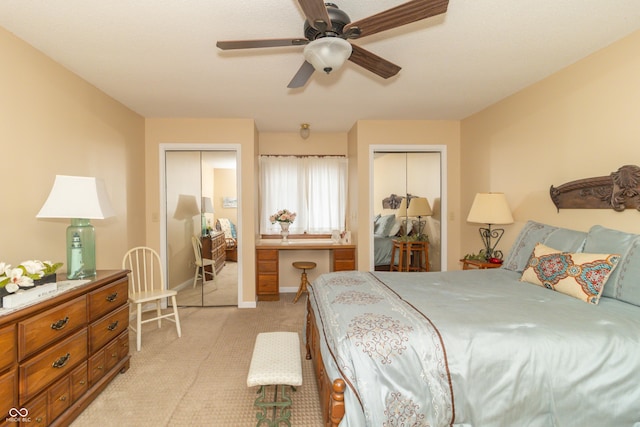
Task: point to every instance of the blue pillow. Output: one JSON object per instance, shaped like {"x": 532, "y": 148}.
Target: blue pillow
{"x": 384, "y": 224}
{"x": 624, "y": 282}
{"x": 234, "y": 234}
{"x": 562, "y": 239}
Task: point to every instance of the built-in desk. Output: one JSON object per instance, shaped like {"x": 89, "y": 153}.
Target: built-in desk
{"x": 343, "y": 257}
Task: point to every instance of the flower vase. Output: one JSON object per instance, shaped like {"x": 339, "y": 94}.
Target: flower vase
{"x": 284, "y": 232}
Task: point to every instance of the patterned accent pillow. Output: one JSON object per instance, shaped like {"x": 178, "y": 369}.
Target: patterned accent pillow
{"x": 580, "y": 275}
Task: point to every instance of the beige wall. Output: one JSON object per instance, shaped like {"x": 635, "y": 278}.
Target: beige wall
{"x": 400, "y": 132}
{"x": 581, "y": 122}
{"x": 222, "y": 132}
{"x": 318, "y": 143}
{"x": 53, "y": 122}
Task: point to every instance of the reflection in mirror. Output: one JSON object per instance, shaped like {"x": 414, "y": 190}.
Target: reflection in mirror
{"x": 199, "y": 186}
{"x": 398, "y": 179}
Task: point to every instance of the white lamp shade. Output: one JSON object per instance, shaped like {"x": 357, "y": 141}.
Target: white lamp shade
{"x": 207, "y": 205}
{"x": 419, "y": 207}
{"x": 77, "y": 197}
{"x": 490, "y": 208}
{"x": 327, "y": 53}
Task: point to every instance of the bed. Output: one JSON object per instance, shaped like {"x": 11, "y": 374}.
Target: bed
{"x": 483, "y": 347}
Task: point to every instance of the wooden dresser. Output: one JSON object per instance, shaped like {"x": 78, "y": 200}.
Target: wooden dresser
{"x": 214, "y": 247}
{"x": 57, "y": 355}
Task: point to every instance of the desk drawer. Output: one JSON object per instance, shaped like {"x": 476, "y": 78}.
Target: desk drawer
{"x": 108, "y": 298}
{"x": 52, "y": 364}
{"x": 267, "y": 284}
{"x": 7, "y": 347}
{"x": 267, "y": 254}
{"x": 39, "y": 331}
{"x": 108, "y": 328}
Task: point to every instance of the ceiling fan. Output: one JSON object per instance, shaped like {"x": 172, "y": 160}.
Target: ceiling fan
{"x": 327, "y": 28}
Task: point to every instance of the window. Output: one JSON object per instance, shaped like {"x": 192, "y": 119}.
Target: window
{"x": 312, "y": 187}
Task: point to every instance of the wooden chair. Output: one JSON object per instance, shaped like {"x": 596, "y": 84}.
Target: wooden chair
{"x": 202, "y": 264}
{"x": 146, "y": 285}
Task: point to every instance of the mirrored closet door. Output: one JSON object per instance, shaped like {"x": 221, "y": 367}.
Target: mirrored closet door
{"x": 400, "y": 178}
{"x": 201, "y": 227}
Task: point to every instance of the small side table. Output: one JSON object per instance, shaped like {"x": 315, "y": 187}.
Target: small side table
{"x": 470, "y": 264}
{"x": 412, "y": 256}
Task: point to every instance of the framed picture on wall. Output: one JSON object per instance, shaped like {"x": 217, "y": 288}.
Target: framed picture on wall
{"x": 229, "y": 202}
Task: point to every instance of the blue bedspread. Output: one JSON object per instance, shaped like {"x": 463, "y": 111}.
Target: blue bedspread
{"x": 476, "y": 348}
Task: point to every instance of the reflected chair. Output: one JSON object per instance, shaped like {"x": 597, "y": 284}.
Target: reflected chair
{"x": 147, "y": 285}
{"x": 204, "y": 266}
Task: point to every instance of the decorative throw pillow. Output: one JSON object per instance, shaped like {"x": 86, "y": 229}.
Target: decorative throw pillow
{"x": 580, "y": 275}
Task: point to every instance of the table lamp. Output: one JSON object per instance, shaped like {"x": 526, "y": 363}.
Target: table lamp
{"x": 490, "y": 209}
{"x": 419, "y": 207}
{"x": 80, "y": 199}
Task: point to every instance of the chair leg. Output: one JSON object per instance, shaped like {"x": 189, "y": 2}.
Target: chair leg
{"x": 159, "y": 313}
{"x": 195, "y": 276}
{"x": 175, "y": 315}
{"x": 139, "y": 326}
{"x": 303, "y": 286}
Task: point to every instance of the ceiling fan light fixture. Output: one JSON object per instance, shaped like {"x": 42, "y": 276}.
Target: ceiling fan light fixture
{"x": 327, "y": 53}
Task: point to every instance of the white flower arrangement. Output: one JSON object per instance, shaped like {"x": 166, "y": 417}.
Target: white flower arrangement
{"x": 23, "y": 276}
{"x": 283, "y": 215}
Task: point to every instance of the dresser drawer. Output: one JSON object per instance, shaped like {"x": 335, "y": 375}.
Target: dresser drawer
{"x": 97, "y": 367}
{"x": 59, "y": 398}
{"x": 52, "y": 364}
{"x": 8, "y": 392}
{"x": 108, "y": 328}
{"x": 38, "y": 411}
{"x": 79, "y": 381}
{"x": 39, "y": 331}
{"x": 7, "y": 347}
{"x": 108, "y": 298}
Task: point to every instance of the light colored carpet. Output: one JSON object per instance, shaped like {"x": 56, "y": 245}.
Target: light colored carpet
{"x": 221, "y": 292}
{"x": 200, "y": 379}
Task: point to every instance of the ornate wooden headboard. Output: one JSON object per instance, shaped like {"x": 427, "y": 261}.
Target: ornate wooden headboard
{"x": 618, "y": 191}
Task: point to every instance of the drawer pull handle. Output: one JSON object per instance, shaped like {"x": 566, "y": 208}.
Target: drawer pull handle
{"x": 63, "y": 397}
{"x": 39, "y": 420}
{"x": 113, "y": 326}
{"x": 112, "y": 297}
{"x": 62, "y": 361}
{"x": 60, "y": 324}
{"x": 83, "y": 382}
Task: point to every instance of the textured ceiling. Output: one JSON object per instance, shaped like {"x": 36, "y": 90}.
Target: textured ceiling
{"x": 159, "y": 58}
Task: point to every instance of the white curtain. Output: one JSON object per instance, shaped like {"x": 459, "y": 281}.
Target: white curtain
{"x": 312, "y": 187}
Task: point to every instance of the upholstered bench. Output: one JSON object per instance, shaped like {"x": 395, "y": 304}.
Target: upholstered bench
{"x": 275, "y": 362}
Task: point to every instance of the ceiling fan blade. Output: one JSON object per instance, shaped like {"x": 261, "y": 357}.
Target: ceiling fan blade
{"x": 406, "y": 13}
{"x": 251, "y": 44}
{"x": 302, "y": 76}
{"x": 316, "y": 13}
{"x": 373, "y": 62}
